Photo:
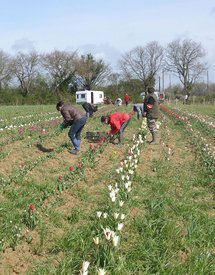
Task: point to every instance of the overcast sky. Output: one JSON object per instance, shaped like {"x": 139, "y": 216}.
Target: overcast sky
{"x": 105, "y": 28}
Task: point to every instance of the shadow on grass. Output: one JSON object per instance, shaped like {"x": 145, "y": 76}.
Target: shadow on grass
{"x": 44, "y": 149}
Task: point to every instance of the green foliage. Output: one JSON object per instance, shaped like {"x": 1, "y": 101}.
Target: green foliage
{"x": 133, "y": 87}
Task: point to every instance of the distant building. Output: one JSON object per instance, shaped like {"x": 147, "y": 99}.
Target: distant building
{"x": 93, "y": 97}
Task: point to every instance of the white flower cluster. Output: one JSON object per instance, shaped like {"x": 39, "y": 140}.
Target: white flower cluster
{"x": 12, "y": 127}
{"x": 118, "y": 192}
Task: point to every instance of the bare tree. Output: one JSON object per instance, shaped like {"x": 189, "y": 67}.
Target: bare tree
{"x": 114, "y": 78}
{"x": 25, "y": 68}
{"x": 92, "y": 72}
{"x": 5, "y": 68}
{"x": 184, "y": 59}
{"x": 143, "y": 63}
{"x": 60, "y": 68}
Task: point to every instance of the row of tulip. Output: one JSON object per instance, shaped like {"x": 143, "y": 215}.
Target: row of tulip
{"x": 32, "y": 215}
{"x": 204, "y": 120}
{"x": 21, "y": 125}
{"x": 207, "y": 150}
{"x": 110, "y": 221}
{"x": 24, "y": 117}
{"x": 40, "y": 131}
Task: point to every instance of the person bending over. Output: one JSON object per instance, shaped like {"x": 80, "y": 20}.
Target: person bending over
{"x": 74, "y": 119}
{"x": 89, "y": 109}
{"x": 118, "y": 122}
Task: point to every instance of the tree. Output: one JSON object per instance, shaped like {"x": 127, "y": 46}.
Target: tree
{"x": 142, "y": 63}
{"x": 5, "y": 68}
{"x": 60, "y": 68}
{"x": 25, "y": 68}
{"x": 184, "y": 59}
{"x": 92, "y": 72}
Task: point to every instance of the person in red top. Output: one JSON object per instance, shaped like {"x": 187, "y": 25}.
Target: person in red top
{"x": 127, "y": 99}
{"x": 118, "y": 122}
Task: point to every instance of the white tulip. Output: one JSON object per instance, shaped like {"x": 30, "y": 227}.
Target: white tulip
{"x": 96, "y": 240}
{"x": 122, "y": 216}
{"x": 101, "y": 271}
{"x": 121, "y": 203}
{"x": 115, "y": 240}
{"x": 105, "y": 215}
{"x": 120, "y": 226}
{"x": 116, "y": 215}
{"x": 85, "y": 266}
{"x": 98, "y": 214}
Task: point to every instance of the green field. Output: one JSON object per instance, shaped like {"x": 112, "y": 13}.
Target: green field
{"x": 154, "y": 216}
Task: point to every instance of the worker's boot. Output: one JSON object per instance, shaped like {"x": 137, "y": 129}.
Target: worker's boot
{"x": 154, "y": 138}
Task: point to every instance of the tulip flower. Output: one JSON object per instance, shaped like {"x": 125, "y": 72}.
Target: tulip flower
{"x": 105, "y": 215}
{"x": 84, "y": 270}
{"x": 98, "y": 214}
{"x": 116, "y": 215}
{"x": 96, "y": 240}
{"x": 122, "y": 216}
{"x": 101, "y": 271}
{"x": 115, "y": 240}
{"x": 120, "y": 226}
{"x": 121, "y": 203}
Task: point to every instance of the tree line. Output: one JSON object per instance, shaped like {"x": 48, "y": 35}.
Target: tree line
{"x": 59, "y": 72}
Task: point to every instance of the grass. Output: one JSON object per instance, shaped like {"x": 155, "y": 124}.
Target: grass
{"x": 175, "y": 235}
{"x": 207, "y": 110}
{"x": 169, "y": 225}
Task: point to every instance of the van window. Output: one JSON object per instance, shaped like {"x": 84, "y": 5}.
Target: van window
{"x": 82, "y": 95}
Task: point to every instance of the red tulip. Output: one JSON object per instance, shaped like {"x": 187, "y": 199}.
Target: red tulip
{"x": 60, "y": 177}
{"x": 32, "y": 207}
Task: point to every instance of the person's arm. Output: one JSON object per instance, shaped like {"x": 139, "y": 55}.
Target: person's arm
{"x": 114, "y": 130}
{"x": 68, "y": 120}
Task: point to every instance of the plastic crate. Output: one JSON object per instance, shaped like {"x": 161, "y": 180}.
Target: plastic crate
{"x": 95, "y": 136}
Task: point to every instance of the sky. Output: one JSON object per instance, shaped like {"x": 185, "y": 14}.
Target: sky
{"x": 106, "y": 28}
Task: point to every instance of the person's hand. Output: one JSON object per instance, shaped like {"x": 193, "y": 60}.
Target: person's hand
{"x": 144, "y": 114}
{"x": 61, "y": 127}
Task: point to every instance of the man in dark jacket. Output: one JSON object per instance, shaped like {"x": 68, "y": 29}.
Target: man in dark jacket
{"x": 118, "y": 122}
{"x": 90, "y": 109}
{"x": 76, "y": 119}
{"x": 151, "y": 112}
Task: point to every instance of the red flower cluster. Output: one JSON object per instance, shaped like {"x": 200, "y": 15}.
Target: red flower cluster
{"x": 71, "y": 168}
{"x": 182, "y": 118}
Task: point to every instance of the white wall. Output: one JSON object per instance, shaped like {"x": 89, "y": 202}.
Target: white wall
{"x": 85, "y": 96}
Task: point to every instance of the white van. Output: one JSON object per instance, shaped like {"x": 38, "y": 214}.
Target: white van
{"x": 93, "y": 97}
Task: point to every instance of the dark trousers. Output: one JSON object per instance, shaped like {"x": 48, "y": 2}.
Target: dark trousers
{"x": 122, "y": 129}
{"x": 75, "y": 132}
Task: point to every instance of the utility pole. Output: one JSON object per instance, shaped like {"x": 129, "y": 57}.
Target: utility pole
{"x": 163, "y": 80}
{"x": 159, "y": 83}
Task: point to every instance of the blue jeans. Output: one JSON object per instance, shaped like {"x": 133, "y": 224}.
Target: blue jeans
{"x": 124, "y": 125}
{"x": 75, "y": 132}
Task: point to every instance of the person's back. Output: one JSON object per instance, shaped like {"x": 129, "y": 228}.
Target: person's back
{"x": 116, "y": 121}
{"x": 90, "y": 109}
{"x": 70, "y": 113}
